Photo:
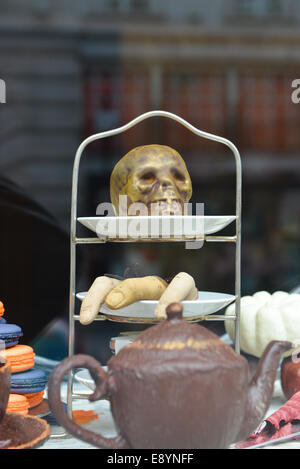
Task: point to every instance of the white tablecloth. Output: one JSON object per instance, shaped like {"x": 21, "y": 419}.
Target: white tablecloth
{"x": 104, "y": 423}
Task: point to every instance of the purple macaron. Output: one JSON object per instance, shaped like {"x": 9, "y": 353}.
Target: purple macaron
{"x": 28, "y": 382}
{"x": 10, "y": 334}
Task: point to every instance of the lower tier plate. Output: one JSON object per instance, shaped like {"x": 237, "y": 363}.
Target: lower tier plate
{"x": 143, "y": 311}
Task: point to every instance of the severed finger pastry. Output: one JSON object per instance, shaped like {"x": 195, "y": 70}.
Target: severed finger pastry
{"x": 182, "y": 287}
{"x": 192, "y": 295}
{"x": 136, "y": 289}
{"x": 95, "y": 298}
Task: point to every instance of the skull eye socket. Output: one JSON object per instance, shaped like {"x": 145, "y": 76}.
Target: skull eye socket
{"x": 148, "y": 178}
{"x": 178, "y": 176}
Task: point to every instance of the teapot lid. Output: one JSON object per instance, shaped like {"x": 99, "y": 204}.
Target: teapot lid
{"x": 178, "y": 341}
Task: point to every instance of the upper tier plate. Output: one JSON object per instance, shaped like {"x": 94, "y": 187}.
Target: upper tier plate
{"x": 156, "y": 227}
{"x": 143, "y": 311}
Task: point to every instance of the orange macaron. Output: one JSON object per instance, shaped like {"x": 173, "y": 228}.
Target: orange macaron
{"x": 34, "y": 399}
{"x": 1, "y": 309}
{"x": 20, "y": 357}
{"x": 17, "y": 403}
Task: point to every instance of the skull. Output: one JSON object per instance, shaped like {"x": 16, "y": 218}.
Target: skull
{"x": 155, "y": 175}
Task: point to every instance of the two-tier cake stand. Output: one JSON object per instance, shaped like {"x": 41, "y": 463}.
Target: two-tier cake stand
{"x": 74, "y": 240}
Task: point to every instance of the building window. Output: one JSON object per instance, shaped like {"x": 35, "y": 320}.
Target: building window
{"x": 112, "y": 5}
{"x": 244, "y": 6}
{"x": 259, "y": 7}
{"x": 124, "y": 6}
{"x": 268, "y": 120}
{"x": 274, "y": 7}
{"x": 200, "y": 98}
{"x": 139, "y": 5}
{"x": 112, "y": 99}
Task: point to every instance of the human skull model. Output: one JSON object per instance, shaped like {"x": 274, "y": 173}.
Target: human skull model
{"x": 154, "y": 175}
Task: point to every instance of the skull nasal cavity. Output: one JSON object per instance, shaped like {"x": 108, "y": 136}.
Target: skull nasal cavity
{"x": 166, "y": 182}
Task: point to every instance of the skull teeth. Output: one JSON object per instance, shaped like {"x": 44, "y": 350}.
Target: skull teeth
{"x": 164, "y": 207}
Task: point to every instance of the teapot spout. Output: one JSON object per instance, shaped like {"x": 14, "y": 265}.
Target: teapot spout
{"x": 260, "y": 389}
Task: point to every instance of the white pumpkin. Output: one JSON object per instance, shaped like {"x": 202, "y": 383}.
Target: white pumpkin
{"x": 266, "y": 317}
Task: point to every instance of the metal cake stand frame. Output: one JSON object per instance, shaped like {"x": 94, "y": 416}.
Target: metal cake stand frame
{"x": 74, "y": 240}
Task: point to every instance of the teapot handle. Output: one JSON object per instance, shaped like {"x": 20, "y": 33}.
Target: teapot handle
{"x": 104, "y": 389}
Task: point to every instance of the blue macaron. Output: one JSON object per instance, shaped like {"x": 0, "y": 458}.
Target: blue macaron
{"x": 10, "y": 334}
{"x": 28, "y": 382}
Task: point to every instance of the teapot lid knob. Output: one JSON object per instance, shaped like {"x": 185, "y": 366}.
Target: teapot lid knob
{"x": 174, "y": 311}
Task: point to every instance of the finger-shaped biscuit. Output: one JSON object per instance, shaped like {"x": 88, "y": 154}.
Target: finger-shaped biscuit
{"x": 181, "y": 287}
{"x": 95, "y": 297}
{"x": 135, "y": 289}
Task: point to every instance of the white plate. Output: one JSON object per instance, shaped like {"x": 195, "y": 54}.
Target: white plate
{"x": 155, "y": 227}
{"x": 84, "y": 377}
{"x": 207, "y": 303}
{"x": 117, "y": 343}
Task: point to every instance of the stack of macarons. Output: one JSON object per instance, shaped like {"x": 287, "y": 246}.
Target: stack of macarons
{"x": 27, "y": 383}
{"x": 2, "y": 320}
{"x": 27, "y": 389}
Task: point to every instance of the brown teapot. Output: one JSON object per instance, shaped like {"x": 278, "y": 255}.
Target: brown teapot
{"x": 176, "y": 386}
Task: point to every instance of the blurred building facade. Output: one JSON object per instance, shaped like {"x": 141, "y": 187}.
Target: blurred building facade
{"x": 73, "y": 68}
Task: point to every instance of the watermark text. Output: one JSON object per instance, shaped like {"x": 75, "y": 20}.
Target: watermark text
{"x": 296, "y": 92}
{"x": 2, "y": 91}
{"x": 154, "y": 221}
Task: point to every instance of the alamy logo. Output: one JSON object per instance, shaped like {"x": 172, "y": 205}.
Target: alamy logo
{"x": 2, "y": 92}
{"x": 136, "y": 220}
{"x": 296, "y": 92}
